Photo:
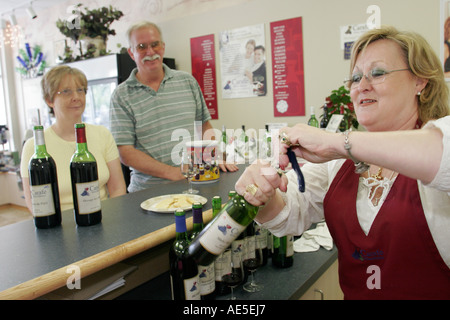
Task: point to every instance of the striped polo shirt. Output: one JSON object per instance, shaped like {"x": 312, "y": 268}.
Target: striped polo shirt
{"x": 156, "y": 122}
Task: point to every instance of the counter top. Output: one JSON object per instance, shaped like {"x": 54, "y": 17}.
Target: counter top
{"x": 35, "y": 261}
{"x": 279, "y": 284}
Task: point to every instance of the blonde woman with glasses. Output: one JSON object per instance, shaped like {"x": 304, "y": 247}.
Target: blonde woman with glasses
{"x": 64, "y": 90}
{"x": 384, "y": 192}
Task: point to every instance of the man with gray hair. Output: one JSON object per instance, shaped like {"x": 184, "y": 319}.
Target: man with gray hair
{"x": 150, "y": 106}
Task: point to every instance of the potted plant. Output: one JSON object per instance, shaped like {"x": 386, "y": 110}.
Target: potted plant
{"x": 91, "y": 27}
{"x": 339, "y": 101}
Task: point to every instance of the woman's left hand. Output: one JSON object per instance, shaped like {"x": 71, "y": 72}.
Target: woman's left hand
{"x": 309, "y": 143}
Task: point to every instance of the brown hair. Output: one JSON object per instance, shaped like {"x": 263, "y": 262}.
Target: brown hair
{"x": 422, "y": 61}
{"x": 52, "y": 78}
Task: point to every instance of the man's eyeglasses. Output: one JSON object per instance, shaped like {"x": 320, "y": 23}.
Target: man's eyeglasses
{"x": 156, "y": 45}
{"x": 69, "y": 92}
{"x": 375, "y": 76}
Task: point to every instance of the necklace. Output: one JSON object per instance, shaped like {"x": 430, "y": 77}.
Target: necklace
{"x": 378, "y": 174}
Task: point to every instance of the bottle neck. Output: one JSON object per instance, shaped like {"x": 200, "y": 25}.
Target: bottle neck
{"x": 80, "y": 134}
{"x": 39, "y": 144}
{"x": 197, "y": 219}
{"x": 180, "y": 227}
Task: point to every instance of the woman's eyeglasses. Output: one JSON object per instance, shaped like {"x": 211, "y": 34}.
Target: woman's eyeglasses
{"x": 374, "y": 77}
{"x": 69, "y": 92}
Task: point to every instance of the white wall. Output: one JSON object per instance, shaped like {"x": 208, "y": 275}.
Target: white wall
{"x": 325, "y": 67}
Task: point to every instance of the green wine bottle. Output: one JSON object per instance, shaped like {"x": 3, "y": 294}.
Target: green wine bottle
{"x": 43, "y": 184}
{"x": 313, "y": 120}
{"x": 217, "y": 236}
{"x": 283, "y": 254}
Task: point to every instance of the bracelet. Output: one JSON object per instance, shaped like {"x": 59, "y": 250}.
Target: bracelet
{"x": 360, "y": 166}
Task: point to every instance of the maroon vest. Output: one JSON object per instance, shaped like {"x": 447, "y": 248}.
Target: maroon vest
{"x": 398, "y": 259}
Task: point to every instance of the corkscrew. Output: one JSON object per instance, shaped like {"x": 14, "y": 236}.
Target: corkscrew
{"x": 298, "y": 171}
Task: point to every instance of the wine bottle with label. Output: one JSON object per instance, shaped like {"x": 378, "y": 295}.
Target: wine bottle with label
{"x": 313, "y": 120}
{"x": 43, "y": 184}
{"x": 261, "y": 244}
{"x": 205, "y": 272}
{"x": 184, "y": 277}
{"x": 283, "y": 254}
{"x": 324, "y": 121}
{"x": 222, "y": 265}
{"x": 218, "y": 234}
{"x": 85, "y": 186}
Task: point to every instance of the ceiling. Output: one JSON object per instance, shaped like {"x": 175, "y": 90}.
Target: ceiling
{"x": 7, "y": 6}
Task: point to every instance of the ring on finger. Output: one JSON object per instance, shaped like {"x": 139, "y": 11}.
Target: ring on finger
{"x": 252, "y": 189}
{"x": 284, "y": 138}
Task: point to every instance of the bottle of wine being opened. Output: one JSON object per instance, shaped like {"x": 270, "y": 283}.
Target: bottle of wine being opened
{"x": 218, "y": 234}
{"x": 44, "y": 184}
{"x": 85, "y": 187}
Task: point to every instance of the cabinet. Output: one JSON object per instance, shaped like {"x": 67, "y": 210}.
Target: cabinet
{"x": 326, "y": 287}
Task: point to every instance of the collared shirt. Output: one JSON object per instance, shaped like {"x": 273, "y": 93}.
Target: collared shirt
{"x": 157, "y": 123}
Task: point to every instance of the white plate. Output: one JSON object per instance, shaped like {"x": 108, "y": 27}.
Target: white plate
{"x": 150, "y": 204}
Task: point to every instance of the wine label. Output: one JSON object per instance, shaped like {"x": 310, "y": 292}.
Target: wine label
{"x": 221, "y": 234}
{"x": 88, "y": 197}
{"x": 207, "y": 279}
{"x": 192, "y": 288}
{"x": 42, "y": 200}
{"x": 289, "y": 246}
{"x": 222, "y": 265}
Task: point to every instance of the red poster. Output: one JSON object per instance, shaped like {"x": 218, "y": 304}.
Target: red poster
{"x": 287, "y": 68}
{"x": 204, "y": 70}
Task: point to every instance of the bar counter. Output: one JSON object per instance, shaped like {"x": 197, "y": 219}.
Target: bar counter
{"x": 35, "y": 262}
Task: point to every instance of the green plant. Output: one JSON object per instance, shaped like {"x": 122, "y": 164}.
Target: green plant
{"x": 90, "y": 23}
{"x": 338, "y": 100}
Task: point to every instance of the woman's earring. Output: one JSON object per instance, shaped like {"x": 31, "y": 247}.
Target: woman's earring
{"x": 418, "y": 93}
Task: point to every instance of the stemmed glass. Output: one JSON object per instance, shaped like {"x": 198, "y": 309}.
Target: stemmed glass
{"x": 252, "y": 265}
{"x": 235, "y": 275}
{"x": 188, "y": 169}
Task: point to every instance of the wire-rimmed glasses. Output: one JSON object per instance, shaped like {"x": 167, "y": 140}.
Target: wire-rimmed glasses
{"x": 374, "y": 77}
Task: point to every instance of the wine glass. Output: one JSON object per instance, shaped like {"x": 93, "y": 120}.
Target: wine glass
{"x": 251, "y": 264}
{"x": 188, "y": 169}
{"x": 235, "y": 275}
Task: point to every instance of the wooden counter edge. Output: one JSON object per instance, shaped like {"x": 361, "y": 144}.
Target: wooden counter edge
{"x": 56, "y": 279}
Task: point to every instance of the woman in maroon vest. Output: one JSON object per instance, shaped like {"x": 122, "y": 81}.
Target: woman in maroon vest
{"x": 384, "y": 192}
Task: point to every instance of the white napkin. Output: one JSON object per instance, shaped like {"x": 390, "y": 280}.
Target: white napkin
{"x": 311, "y": 240}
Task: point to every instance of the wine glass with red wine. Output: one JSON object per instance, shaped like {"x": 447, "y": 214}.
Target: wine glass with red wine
{"x": 234, "y": 278}
{"x": 252, "y": 265}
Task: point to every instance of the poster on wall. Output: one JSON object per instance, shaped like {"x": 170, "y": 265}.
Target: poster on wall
{"x": 203, "y": 60}
{"x": 349, "y": 34}
{"x": 243, "y": 62}
{"x": 287, "y": 66}
{"x": 445, "y": 37}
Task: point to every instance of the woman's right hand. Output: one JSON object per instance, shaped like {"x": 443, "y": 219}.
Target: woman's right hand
{"x": 265, "y": 178}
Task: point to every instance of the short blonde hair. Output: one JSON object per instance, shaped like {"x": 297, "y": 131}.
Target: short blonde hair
{"x": 142, "y": 25}
{"x": 422, "y": 61}
{"x": 52, "y": 78}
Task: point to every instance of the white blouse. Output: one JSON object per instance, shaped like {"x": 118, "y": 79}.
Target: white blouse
{"x": 303, "y": 209}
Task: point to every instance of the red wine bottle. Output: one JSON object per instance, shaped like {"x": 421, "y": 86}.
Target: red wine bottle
{"x": 44, "y": 184}
{"x": 184, "y": 277}
{"x": 85, "y": 186}
{"x": 205, "y": 272}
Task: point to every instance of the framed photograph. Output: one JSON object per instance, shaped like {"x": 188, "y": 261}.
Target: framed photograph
{"x": 445, "y": 37}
